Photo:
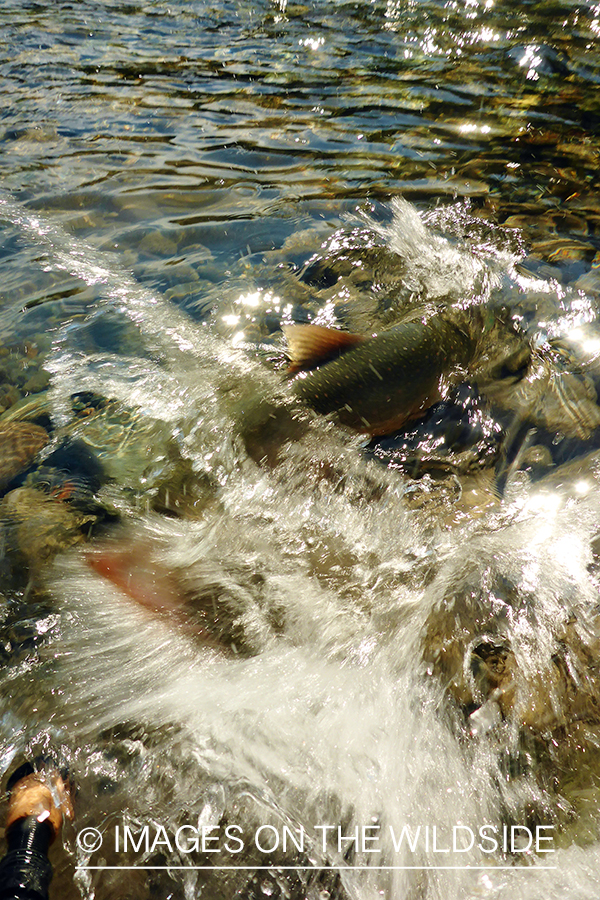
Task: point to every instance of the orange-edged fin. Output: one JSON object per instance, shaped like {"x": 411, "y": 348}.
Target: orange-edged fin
{"x": 311, "y": 345}
{"x": 131, "y": 570}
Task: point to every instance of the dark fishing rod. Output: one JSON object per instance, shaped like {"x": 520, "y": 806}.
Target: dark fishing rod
{"x": 38, "y": 801}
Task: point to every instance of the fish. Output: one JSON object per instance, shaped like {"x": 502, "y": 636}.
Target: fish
{"x": 205, "y": 602}
{"x": 375, "y": 384}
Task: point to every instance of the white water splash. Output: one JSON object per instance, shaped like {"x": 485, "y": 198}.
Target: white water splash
{"x": 333, "y": 715}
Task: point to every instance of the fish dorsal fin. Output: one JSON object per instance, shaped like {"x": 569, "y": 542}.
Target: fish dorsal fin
{"x": 311, "y": 345}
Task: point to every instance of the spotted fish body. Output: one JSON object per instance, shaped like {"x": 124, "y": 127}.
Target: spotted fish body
{"x": 376, "y": 384}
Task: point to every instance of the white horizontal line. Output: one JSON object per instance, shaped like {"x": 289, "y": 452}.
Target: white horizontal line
{"x": 276, "y": 868}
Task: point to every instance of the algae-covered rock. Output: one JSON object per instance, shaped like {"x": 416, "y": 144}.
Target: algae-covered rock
{"x": 37, "y": 526}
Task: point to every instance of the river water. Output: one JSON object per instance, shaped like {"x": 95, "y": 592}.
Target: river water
{"x": 312, "y": 640}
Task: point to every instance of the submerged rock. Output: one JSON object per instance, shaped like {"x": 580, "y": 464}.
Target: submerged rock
{"x": 513, "y": 629}
{"x": 20, "y": 442}
{"x": 37, "y": 526}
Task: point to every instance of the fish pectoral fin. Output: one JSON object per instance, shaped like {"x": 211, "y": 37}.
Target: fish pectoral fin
{"x": 310, "y": 345}
{"x": 130, "y": 568}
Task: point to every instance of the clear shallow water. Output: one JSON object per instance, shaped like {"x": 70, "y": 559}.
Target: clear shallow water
{"x": 360, "y": 647}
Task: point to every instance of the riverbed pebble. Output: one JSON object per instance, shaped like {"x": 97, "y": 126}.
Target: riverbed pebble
{"x": 20, "y": 442}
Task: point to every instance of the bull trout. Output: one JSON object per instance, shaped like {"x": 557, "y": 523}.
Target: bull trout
{"x": 376, "y": 384}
